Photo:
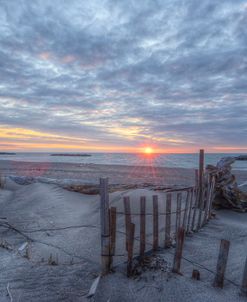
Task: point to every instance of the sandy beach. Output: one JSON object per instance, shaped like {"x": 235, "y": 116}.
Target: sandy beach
{"x": 90, "y": 173}
{"x": 62, "y": 233}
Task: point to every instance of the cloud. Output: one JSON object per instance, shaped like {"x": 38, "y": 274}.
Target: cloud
{"x": 123, "y": 72}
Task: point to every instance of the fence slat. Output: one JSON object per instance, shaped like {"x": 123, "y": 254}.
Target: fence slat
{"x": 155, "y": 223}
{"x": 208, "y": 194}
{"x": 113, "y": 220}
{"x": 194, "y": 209}
{"x": 178, "y": 212}
{"x": 200, "y": 202}
{"x": 105, "y": 226}
{"x": 179, "y": 251}
{"x": 168, "y": 221}
{"x": 186, "y": 209}
{"x": 221, "y": 264}
{"x": 190, "y": 210}
{"x": 131, "y": 237}
{"x": 127, "y": 212}
{"x": 142, "y": 226}
{"x": 201, "y": 187}
{"x": 244, "y": 281}
{"x": 211, "y": 197}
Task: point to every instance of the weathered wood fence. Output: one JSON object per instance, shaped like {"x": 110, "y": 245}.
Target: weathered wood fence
{"x": 186, "y": 211}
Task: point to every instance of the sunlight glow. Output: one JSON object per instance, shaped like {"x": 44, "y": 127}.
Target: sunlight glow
{"x": 148, "y": 150}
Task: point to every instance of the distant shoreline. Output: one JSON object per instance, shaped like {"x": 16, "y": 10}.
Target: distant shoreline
{"x": 70, "y": 154}
{"x": 7, "y": 153}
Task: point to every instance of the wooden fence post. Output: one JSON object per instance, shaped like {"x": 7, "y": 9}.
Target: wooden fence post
{"x": 155, "y": 223}
{"x": 186, "y": 209}
{"x": 196, "y": 178}
{"x": 195, "y": 209}
{"x": 208, "y": 194}
{"x": 113, "y": 224}
{"x": 105, "y": 226}
{"x": 127, "y": 212}
{"x": 244, "y": 281}
{"x": 201, "y": 171}
{"x": 190, "y": 210}
{"x": 131, "y": 237}
{"x": 179, "y": 251}
{"x": 178, "y": 212}
{"x": 168, "y": 221}
{"x": 201, "y": 186}
{"x": 142, "y": 226}
{"x": 221, "y": 264}
{"x": 211, "y": 197}
{"x": 199, "y": 221}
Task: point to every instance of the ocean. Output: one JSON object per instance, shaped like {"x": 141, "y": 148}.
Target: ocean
{"x": 130, "y": 159}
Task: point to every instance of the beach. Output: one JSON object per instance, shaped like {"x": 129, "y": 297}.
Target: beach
{"x": 61, "y": 230}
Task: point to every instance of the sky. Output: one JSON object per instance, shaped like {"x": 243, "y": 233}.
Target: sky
{"x": 119, "y": 76}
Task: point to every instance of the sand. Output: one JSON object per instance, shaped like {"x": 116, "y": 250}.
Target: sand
{"x": 66, "y": 225}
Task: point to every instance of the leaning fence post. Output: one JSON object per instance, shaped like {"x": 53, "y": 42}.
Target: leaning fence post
{"x": 155, "y": 223}
{"x": 179, "y": 251}
{"x": 131, "y": 237}
{"x": 105, "y": 226}
{"x": 127, "y": 212}
{"x": 113, "y": 218}
{"x": 221, "y": 264}
{"x": 244, "y": 281}
{"x": 142, "y": 226}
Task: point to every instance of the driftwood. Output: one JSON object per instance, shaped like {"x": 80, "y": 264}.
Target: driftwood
{"x": 227, "y": 192}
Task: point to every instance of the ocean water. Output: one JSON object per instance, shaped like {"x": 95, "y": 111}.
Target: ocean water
{"x": 130, "y": 159}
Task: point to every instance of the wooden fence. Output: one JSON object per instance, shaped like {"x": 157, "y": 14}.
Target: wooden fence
{"x": 193, "y": 207}
{"x": 185, "y": 211}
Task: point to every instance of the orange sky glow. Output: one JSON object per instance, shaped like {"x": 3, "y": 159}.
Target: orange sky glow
{"x": 24, "y": 140}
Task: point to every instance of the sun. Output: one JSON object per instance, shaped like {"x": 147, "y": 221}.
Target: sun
{"x": 148, "y": 150}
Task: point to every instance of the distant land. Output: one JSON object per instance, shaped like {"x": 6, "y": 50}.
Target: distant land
{"x": 241, "y": 157}
{"x": 70, "y": 154}
{"x": 7, "y": 153}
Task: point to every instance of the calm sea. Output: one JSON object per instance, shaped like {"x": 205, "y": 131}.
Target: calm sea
{"x": 158, "y": 160}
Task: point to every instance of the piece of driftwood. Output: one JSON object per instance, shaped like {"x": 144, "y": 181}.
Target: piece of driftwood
{"x": 227, "y": 192}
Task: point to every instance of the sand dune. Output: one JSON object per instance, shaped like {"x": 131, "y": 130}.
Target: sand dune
{"x": 66, "y": 225}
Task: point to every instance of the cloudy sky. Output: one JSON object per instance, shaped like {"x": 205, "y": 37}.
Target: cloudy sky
{"x": 120, "y": 75}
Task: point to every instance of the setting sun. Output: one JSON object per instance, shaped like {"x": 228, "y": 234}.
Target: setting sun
{"x": 148, "y": 150}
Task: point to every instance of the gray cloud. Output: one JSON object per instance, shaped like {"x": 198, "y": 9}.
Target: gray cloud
{"x": 167, "y": 72}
